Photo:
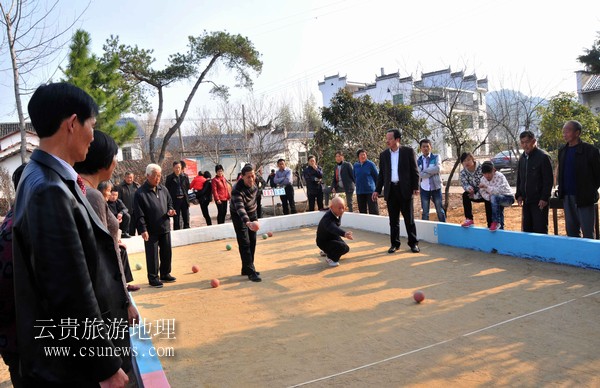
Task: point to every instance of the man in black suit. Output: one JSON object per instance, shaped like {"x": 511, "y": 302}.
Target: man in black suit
{"x": 127, "y": 190}
{"x": 66, "y": 268}
{"x": 153, "y": 206}
{"x": 343, "y": 179}
{"x": 178, "y": 185}
{"x": 399, "y": 178}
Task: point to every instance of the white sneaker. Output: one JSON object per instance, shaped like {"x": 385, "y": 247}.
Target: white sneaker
{"x": 323, "y": 254}
{"x": 331, "y": 262}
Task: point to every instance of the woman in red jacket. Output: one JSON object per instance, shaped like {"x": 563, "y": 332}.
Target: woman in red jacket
{"x": 221, "y": 194}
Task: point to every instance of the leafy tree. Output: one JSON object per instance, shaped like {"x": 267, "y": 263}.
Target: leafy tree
{"x": 562, "y": 108}
{"x": 510, "y": 112}
{"x": 234, "y": 52}
{"x": 104, "y": 83}
{"x": 451, "y": 106}
{"x": 591, "y": 58}
{"x": 33, "y": 38}
{"x": 351, "y": 123}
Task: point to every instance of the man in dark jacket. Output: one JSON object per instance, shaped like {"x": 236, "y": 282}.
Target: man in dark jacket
{"x": 578, "y": 181}
{"x": 329, "y": 233}
{"x": 343, "y": 179}
{"x": 244, "y": 219}
{"x": 127, "y": 190}
{"x": 178, "y": 185}
{"x": 153, "y": 207}
{"x": 399, "y": 179}
{"x": 66, "y": 268}
{"x": 313, "y": 176}
{"x": 120, "y": 211}
{"x": 534, "y": 184}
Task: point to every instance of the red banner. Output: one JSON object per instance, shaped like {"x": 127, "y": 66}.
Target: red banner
{"x": 191, "y": 168}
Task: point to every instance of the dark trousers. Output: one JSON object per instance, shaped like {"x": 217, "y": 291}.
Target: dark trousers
{"x": 132, "y": 222}
{"x": 535, "y": 220}
{"x": 246, "y": 240}
{"x": 312, "y": 198}
{"x": 287, "y": 200}
{"x": 221, "y": 212}
{"x": 334, "y": 249}
{"x": 126, "y": 267}
{"x": 366, "y": 203}
{"x": 397, "y": 204}
{"x": 183, "y": 213}
{"x": 349, "y": 198}
{"x": 468, "y": 207}
{"x": 205, "y": 214}
{"x": 259, "y": 206}
{"x": 125, "y": 224}
{"x": 327, "y": 195}
{"x": 158, "y": 246}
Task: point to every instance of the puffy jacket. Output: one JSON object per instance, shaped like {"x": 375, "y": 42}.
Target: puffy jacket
{"x": 587, "y": 173}
{"x": 534, "y": 177}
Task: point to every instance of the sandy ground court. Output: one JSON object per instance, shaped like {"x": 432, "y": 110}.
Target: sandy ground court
{"x": 487, "y": 319}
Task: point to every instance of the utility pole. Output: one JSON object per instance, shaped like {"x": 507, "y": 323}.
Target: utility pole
{"x": 245, "y": 138}
{"x": 180, "y": 138}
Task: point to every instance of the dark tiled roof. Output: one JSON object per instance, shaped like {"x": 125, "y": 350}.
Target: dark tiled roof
{"x": 437, "y": 72}
{"x": 387, "y": 76}
{"x": 593, "y": 84}
{"x": 8, "y": 128}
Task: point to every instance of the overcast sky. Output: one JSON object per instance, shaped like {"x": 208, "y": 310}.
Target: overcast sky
{"x": 527, "y": 45}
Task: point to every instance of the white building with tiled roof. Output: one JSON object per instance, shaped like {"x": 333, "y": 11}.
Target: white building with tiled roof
{"x": 10, "y": 144}
{"x": 427, "y": 96}
{"x": 588, "y": 90}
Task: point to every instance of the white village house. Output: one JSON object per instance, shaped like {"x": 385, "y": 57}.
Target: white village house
{"x": 430, "y": 93}
{"x": 588, "y": 90}
{"x": 265, "y": 143}
{"x": 10, "y": 145}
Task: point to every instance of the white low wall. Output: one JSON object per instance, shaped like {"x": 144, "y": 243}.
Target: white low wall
{"x": 549, "y": 248}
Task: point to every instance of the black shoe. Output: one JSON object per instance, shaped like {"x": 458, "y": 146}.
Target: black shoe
{"x": 168, "y": 278}
{"x": 244, "y": 273}
{"x": 125, "y": 235}
{"x": 415, "y": 249}
{"x": 393, "y": 249}
{"x": 255, "y": 278}
{"x": 156, "y": 283}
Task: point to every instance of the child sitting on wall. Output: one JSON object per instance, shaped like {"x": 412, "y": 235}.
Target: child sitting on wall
{"x": 495, "y": 188}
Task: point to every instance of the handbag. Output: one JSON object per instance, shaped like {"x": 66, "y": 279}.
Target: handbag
{"x": 191, "y": 195}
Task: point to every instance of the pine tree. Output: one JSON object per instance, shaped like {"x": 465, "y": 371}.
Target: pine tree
{"x": 101, "y": 80}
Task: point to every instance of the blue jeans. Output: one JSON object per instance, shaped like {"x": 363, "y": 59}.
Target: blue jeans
{"x": 499, "y": 202}
{"x": 436, "y": 197}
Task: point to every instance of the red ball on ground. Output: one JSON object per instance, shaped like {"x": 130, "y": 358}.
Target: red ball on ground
{"x": 419, "y": 296}
{"x": 270, "y": 234}
{"x": 215, "y": 283}
{"x": 195, "y": 268}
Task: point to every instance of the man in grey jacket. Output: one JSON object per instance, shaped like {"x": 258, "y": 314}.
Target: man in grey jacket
{"x": 66, "y": 268}
{"x": 431, "y": 182}
{"x": 343, "y": 179}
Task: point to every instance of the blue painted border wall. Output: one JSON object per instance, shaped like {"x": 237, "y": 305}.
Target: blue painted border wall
{"x": 578, "y": 252}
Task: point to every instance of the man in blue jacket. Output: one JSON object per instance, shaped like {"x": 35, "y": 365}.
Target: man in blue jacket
{"x": 365, "y": 177}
